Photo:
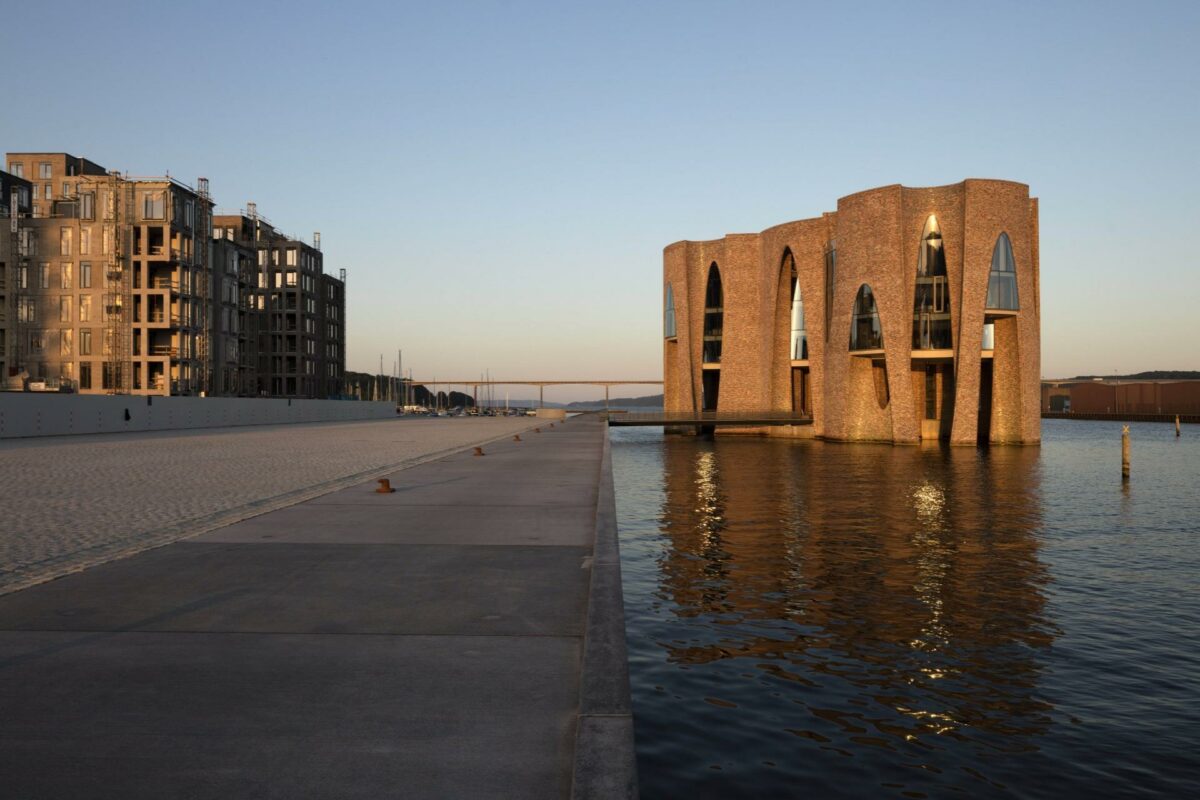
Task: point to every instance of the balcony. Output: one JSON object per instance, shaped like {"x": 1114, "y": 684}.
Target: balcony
{"x": 164, "y": 350}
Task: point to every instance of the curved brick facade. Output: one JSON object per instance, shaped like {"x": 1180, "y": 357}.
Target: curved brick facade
{"x": 877, "y": 235}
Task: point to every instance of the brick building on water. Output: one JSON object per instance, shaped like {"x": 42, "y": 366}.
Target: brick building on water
{"x": 905, "y": 315}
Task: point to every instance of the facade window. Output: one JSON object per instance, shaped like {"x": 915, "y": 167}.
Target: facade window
{"x": 85, "y": 241}
{"x": 262, "y": 258}
{"x": 64, "y": 308}
{"x": 714, "y": 316}
{"x": 17, "y": 169}
{"x": 85, "y": 275}
{"x": 830, "y": 283}
{"x": 798, "y": 341}
{"x": 87, "y": 205}
{"x": 44, "y": 170}
{"x": 43, "y": 276}
{"x": 291, "y": 277}
{"x": 1002, "y": 282}
{"x": 931, "y": 303}
{"x": 27, "y": 310}
{"x": 65, "y": 241}
{"x": 669, "y": 315}
{"x": 291, "y": 257}
{"x": 65, "y": 275}
{"x": 865, "y": 331}
{"x": 85, "y": 308}
{"x": 65, "y": 340}
{"x": 153, "y": 205}
{"x": 48, "y": 192}
{"x": 85, "y": 375}
{"x": 106, "y": 246}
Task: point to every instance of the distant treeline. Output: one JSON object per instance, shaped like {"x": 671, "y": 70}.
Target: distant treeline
{"x": 650, "y": 400}
{"x": 1152, "y": 375}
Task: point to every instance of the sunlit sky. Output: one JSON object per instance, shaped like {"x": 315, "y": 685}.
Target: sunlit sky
{"x": 499, "y": 179}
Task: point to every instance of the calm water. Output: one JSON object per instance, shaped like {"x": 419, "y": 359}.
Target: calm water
{"x": 832, "y": 620}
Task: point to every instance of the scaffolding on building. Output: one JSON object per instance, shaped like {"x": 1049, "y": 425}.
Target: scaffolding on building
{"x": 201, "y": 262}
{"x": 118, "y": 289}
{"x": 18, "y": 275}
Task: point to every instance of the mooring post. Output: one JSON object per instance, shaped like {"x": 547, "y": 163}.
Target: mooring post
{"x": 1124, "y": 452}
{"x": 1177, "y": 425}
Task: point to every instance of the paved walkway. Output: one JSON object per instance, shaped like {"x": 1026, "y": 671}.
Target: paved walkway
{"x": 458, "y": 638}
{"x": 68, "y": 502}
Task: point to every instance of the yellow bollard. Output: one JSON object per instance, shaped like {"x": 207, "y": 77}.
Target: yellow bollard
{"x": 1125, "y": 453}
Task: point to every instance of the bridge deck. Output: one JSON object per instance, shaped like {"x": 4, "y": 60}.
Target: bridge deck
{"x": 724, "y": 418}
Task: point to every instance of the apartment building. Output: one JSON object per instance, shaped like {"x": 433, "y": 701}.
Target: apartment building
{"x": 300, "y": 310}
{"x": 119, "y": 294}
{"x": 119, "y": 284}
{"x": 235, "y": 320}
{"x": 16, "y": 196}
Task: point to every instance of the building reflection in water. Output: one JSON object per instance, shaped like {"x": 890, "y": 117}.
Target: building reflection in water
{"x": 896, "y": 590}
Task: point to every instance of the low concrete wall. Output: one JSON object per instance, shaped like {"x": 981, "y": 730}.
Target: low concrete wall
{"x": 38, "y": 414}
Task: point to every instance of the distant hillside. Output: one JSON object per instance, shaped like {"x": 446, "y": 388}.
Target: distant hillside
{"x": 650, "y": 400}
{"x": 1152, "y": 375}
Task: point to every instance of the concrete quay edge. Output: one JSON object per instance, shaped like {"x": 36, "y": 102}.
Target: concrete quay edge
{"x": 605, "y": 762}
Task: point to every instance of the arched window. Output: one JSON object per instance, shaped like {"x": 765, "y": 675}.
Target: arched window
{"x": 799, "y": 338}
{"x": 714, "y": 315}
{"x": 1002, "y": 283}
{"x": 830, "y": 280}
{"x": 931, "y": 304}
{"x": 669, "y": 315}
{"x": 865, "y": 331}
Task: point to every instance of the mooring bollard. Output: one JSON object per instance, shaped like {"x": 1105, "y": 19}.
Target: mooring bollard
{"x": 385, "y": 486}
{"x": 537, "y": 430}
{"x": 1176, "y": 424}
{"x": 478, "y": 451}
{"x": 1124, "y": 452}
{"x": 517, "y": 438}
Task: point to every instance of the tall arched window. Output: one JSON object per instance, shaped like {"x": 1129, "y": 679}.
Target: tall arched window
{"x": 830, "y": 280}
{"x": 799, "y": 339}
{"x": 865, "y": 331}
{"x": 1002, "y": 283}
{"x": 931, "y": 304}
{"x": 714, "y": 315}
{"x": 669, "y": 315}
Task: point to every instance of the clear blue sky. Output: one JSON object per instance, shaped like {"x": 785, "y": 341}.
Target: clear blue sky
{"x": 500, "y": 178}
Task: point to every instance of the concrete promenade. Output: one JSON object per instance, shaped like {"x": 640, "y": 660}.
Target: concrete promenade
{"x": 68, "y": 502}
{"x": 460, "y": 637}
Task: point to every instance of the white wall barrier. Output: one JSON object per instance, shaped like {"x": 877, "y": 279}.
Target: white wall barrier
{"x": 51, "y": 414}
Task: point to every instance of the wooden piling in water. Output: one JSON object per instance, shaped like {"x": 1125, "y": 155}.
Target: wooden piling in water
{"x": 1177, "y": 425}
{"x": 1124, "y": 452}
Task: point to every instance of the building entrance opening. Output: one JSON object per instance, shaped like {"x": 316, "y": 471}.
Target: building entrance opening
{"x": 712, "y": 388}
{"x": 984, "y": 432}
{"x": 801, "y": 391}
